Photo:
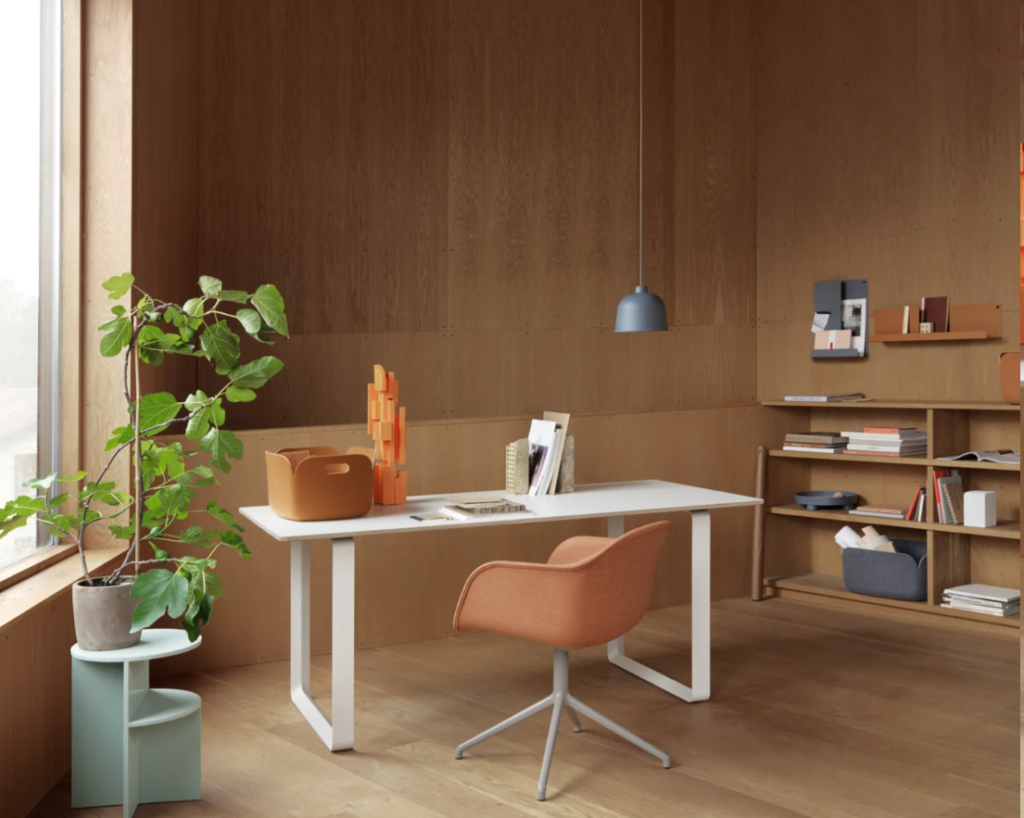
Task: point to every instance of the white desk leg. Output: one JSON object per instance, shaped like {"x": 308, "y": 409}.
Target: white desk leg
{"x": 700, "y": 620}
{"x": 338, "y": 732}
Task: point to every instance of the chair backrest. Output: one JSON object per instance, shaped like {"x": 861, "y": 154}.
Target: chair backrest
{"x": 616, "y": 583}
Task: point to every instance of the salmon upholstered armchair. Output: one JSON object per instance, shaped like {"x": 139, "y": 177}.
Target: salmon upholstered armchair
{"x": 591, "y": 591}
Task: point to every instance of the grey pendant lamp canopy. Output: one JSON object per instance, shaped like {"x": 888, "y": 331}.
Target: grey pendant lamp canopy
{"x": 641, "y": 311}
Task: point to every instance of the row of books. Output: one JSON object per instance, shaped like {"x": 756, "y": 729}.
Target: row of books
{"x": 983, "y": 599}
{"x": 881, "y": 441}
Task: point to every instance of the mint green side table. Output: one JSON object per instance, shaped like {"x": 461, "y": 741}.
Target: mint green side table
{"x": 131, "y": 744}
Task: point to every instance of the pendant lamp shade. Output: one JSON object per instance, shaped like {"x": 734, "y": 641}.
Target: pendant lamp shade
{"x": 641, "y": 311}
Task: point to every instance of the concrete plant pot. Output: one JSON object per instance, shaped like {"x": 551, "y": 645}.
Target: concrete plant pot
{"x": 103, "y": 615}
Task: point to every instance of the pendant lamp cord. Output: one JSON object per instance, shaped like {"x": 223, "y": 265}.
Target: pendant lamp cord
{"x": 641, "y": 197}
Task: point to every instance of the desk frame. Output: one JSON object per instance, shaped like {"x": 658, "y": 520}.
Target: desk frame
{"x": 338, "y": 731}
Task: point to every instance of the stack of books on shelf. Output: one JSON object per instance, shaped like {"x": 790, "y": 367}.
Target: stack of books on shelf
{"x": 982, "y": 599}
{"x": 887, "y": 441}
{"x": 881, "y": 511}
{"x": 815, "y": 442}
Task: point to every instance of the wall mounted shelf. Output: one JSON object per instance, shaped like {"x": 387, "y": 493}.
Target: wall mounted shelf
{"x": 927, "y": 337}
{"x": 967, "y": 322}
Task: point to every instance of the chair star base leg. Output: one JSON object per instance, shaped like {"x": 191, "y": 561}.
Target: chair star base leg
{"x": 561, "y": 700}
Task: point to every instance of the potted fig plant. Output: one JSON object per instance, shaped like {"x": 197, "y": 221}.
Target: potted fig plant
{"x": 156, "y": 512}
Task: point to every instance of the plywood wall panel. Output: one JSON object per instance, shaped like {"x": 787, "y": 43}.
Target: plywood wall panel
{"x": 323, "y": 158}
{"x": 714, "y": 154}
{"x": 543, "y": 162}
{"x": 35, "y": 706}
{"x": 885, "y": 150}
{"x": 165, "y": 178}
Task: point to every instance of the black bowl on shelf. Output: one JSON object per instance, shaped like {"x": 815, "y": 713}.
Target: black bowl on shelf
{"x": 834, "y": 500}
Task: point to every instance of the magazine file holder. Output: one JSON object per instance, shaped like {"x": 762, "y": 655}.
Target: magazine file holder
{"x": 323, "y": 485}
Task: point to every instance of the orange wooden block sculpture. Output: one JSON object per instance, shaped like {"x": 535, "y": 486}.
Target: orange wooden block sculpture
{"x": 385, "y": 421}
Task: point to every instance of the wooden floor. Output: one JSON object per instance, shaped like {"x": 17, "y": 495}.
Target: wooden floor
{"x": 815, "y": 712}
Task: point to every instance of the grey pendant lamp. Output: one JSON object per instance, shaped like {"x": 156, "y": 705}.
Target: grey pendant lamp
{"x": 641, "y": 311}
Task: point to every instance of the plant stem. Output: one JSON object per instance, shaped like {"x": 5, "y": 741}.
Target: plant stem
{"x": 138, "y": 447}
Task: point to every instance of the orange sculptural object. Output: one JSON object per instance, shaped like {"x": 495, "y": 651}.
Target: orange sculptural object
{"x": 385, "y": 421}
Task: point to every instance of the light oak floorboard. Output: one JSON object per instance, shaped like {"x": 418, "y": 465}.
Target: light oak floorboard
{"x": 815, "y": 712}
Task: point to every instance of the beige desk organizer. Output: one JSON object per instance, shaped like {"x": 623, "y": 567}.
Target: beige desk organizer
{"x": 517, "y": 467}
{"x": 317, "y": 483}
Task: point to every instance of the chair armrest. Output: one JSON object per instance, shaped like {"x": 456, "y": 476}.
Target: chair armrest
{"x": 575, "y": 549}
{"x": 527, "y": 600}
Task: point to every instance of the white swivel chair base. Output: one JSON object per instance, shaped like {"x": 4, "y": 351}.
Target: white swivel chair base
{"x": 560, "y": 699}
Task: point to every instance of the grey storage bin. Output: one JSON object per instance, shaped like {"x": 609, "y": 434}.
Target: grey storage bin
{"x": 903, "y": 575}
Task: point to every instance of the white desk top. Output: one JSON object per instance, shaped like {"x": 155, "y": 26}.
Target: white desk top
{"x": 596, "y": 500}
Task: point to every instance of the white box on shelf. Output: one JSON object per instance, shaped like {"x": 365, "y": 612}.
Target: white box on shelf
{"x": 980, "y": 509}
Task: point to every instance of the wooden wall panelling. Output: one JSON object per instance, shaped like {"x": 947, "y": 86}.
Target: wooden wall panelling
{"x": 35, "y": 706}
{"x": 106, "y": 213}
{"x": 884, "y": 151}
{"x": 714, "y": 163}
{"x": 407, "y": 585}
{"x": 165, "y": 173}
{"x": 323, "y": 156}
{"x": 543, "y": 162}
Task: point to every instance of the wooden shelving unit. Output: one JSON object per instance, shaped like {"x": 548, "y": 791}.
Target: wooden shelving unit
{"x": 956, "y": 554}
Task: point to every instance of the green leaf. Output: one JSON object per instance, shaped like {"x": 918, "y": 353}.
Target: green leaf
{"x": 234, "y": 296}
{"x": 214, "y": 587}
{"x": 193, "y": 307}
{"x": 255, "y": 373}
{"x": 196, "y": 400}
{"x": 250, "y": 320}
{"x": 122, "y": 434}
{"x": 160, "y": 591}
{"x": 152, "y": 342}
{"x": 119, "y": 286}
{"x": 198, "y": 615}
{"x": 118, "y": 337}
{"x": 158, "y": 410}
{"x": 237, "y": 395}
{"x": 194, "y": 535}
{"x": 271, "y": 306}
{"x": 210, "y": 286}
{"x": 122, "y": 532}
{"x": 41, "y": 482}
{"x": 221, "y": 444}
{"x": 198, "y": 424}
{"x": 235, "y": 543}
{"x": 220, "y": 345}
{"x": 221, "y": 515}
{"x": 175, "y": 499}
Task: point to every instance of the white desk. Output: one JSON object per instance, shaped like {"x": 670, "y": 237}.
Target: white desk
{"x": 613, "y": 501}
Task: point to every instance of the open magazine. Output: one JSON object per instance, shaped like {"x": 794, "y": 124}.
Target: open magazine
{"x": 993, "y": 456}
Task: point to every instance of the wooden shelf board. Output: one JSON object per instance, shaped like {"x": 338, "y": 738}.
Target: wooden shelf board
{"x": 917, "y": 337}
{"x": 897, "y": 461}
{"x": 832, "y": 586}
{"x": 971, "y": 406}
{"x": 1004, "y": 531}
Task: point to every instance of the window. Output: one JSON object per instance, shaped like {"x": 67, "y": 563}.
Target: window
{"x": 29, "y": 275}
